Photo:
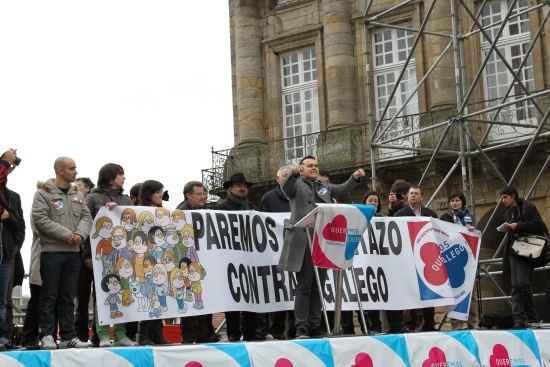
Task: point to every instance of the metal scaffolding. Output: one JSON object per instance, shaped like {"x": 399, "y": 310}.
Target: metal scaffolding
{"x": 506, "y": 111}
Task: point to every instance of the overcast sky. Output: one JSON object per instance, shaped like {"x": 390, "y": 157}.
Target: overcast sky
{"x": 145, "y": 84}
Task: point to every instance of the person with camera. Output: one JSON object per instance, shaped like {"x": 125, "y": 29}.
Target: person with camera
{"x": 523, "y": 218}
{"x": 12, "y": 227}
{"x": 398, "y": 196}
{"x": 399, "y": 321}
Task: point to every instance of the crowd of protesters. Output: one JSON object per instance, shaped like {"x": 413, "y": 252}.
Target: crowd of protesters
{"x": 61, "y": 264}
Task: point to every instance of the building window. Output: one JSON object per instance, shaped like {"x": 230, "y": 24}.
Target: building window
{"x": 513, "y": 44}
{"x": 390, "y": 50}
{"x": 300, "y": 103}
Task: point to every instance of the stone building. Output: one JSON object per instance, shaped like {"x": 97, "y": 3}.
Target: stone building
{"x": 446, "y": 94}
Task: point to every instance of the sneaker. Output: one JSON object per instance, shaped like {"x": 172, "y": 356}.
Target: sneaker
{"x": 125, "y": 342}
{"x": 269, "y": 337}
{"x": 48, "y": 343}
{"x": 105, "y": 343}
{"x": 301, "y": 333}
{"x": 73, "y": 343}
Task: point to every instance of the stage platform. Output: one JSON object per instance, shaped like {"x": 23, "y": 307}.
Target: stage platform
{"x": 435, "y": 349}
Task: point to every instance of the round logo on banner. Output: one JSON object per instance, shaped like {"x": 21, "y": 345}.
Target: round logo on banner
{"x": 441, "y": 262}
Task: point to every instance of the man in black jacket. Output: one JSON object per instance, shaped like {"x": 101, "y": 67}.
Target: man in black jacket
{"x": 416, "y": 209}
{"x": 195, "y": 329}
{"x": 398, "y": 198}
{"x": 237, "y": 192}
{"x": 11, "y": 267}
{"x": 276, "y": 201}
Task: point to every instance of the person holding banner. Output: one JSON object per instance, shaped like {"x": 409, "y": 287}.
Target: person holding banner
{"x": 458, "y": 214}
{"x": 195, "y": 329}
{"x": 110, "y": 194}
{"x": 150, "y": 331}
{"x": 415, "y": 208}
{"x": 237, "y": 191}
{"x": 305, "y": 190}
{"x": 522, "y": 217}
{"x": 276, "y": 201}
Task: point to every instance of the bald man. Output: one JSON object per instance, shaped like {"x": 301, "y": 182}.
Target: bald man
{"x": 62, "y": 222}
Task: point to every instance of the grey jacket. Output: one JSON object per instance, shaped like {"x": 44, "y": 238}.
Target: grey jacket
{"x": 304, "y": 196}
{"x": 34, "y": 269}
{"x": 57, "y": 215}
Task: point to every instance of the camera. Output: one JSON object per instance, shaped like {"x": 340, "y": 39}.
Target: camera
{"x": 399, "y": 196}
{"x": 17, "y": 161}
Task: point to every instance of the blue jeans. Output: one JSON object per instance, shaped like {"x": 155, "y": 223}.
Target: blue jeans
{"x": 59, "y": 271}
{"x": 5, "y": 272}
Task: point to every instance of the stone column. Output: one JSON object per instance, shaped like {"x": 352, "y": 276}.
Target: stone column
{"x": 249, "y": 71}
{"x": 339, "y": 64}
{"x": 442, "y": 81}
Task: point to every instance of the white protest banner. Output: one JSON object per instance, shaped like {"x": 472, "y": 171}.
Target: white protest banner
{"x": 405, "y": 260}
{"x": 157, "y": 263}
{"x": 338, "y": 231}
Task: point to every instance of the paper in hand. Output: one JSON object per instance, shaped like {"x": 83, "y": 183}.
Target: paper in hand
{"x": 503, "y": 227}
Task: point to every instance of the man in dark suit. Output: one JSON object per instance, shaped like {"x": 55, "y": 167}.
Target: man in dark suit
{"x": 305, "y": 190}
{"x": 416, "y": 209}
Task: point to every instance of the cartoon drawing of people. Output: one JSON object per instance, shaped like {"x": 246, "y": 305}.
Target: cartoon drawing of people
{"x": 160, "y": 279}
{"x": 195, "y": 276}
{"x": 178, "y": 288}
{"x": 123, "y": 268}
{"x": 103, "y": 229}
{"x": 184, "y": 266}
{"x": 118, "y": 242}
{"x": 158, "y": 241}
{"x": 168, "y": 261}
{"x": 148, "y": 264}
{"x": 145, "y": 221}
{"x": 128, "y": 220}
{"x": 178, "y": 219}
{"x": 138, "y": 259}
{"x": 172, "y": 240}
{"x": 155, "y": 306}
{"x": 188, "y": 242}
{"x": 111, "y": 284}
{"x": 162, "y": 217}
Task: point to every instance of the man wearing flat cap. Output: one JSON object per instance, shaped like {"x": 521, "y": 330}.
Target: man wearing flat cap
{"x": 237, "y": 190}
